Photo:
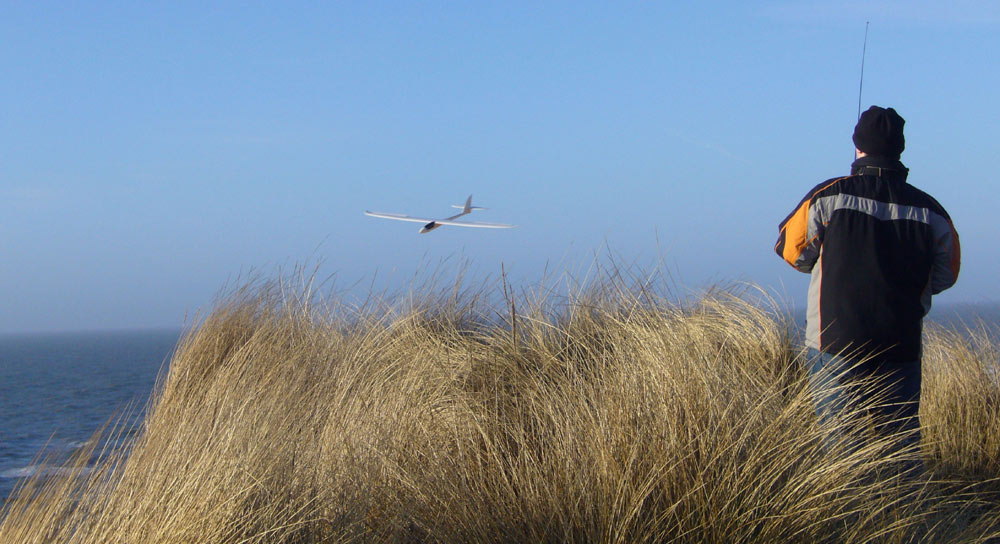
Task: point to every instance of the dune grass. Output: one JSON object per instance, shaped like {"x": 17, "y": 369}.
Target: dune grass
{"x": 612, "y": 415}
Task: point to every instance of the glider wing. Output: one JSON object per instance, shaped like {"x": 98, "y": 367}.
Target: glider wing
{"x": 400, "y": 217}
{"x": 474, "y": 224}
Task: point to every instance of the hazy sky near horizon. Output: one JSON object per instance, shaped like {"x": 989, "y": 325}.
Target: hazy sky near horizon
{"x": 151, "y": 154}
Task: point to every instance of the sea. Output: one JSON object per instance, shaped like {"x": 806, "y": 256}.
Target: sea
{"x": 57, "y": 389}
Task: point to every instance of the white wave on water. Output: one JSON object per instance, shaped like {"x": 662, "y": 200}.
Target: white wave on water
{"x": 41, "y": 470}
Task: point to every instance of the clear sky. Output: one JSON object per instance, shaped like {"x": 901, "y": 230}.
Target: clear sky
{"x": 149, "y": 154}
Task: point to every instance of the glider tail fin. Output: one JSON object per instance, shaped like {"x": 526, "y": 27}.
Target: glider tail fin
{"x": 468, "y": 207}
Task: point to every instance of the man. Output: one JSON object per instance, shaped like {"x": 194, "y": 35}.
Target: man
{"x": 877, "y": 249}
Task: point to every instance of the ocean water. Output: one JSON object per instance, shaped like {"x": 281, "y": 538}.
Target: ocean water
{"x": 962, "y": 316}
{"x": 56, "y": 390}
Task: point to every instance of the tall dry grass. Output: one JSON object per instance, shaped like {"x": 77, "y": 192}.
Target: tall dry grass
{"x": 609, "y": 416}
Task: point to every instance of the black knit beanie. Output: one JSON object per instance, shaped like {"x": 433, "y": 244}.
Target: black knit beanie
{"x": 879, "y": 132}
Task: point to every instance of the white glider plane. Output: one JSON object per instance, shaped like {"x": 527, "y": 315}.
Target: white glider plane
{"x": 431, "y": 224}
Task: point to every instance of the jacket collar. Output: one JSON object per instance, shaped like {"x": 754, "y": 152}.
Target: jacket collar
{"x": 884, "y": 167}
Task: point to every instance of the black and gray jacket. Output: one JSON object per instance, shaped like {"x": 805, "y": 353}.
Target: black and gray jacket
{"x": 877, "y": 248}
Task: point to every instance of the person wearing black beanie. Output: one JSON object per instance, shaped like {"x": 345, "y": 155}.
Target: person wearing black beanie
{"x": 879, "y": 133}
{"x": 877, "y": 249}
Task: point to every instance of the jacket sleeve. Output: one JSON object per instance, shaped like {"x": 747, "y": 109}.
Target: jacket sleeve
{"x": 947, "y": 254}
{"x": 800, "y": 235}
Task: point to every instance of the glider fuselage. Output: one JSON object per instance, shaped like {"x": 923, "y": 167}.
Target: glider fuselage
{"x": 434, "y": 224}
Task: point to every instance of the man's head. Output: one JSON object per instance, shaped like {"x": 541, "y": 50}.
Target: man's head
{"x": 879, "y": 132}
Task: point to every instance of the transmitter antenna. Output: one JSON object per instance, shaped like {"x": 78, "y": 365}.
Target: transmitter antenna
{"x": 861, "y": 84}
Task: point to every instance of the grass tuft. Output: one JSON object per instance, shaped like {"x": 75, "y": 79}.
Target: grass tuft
{"x": 609, "y": 415}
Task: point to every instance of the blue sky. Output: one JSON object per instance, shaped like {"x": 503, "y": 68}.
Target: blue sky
{"x": 152, "y": 153}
